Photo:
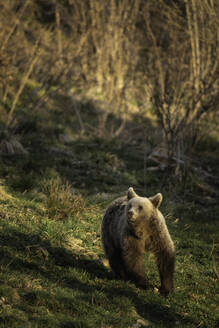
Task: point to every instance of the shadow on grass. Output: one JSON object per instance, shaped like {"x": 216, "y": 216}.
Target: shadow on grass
{"x": 28, "y": 255}
{"x": 88, "y": 159}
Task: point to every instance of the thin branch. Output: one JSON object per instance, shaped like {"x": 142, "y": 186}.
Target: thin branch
{"x": 24, "y": 80}
{"x": 17, "y": 21}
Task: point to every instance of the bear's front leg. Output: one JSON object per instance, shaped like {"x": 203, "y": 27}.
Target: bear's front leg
{"x": 115, "y": 262}
{"x": 134, "y": 269}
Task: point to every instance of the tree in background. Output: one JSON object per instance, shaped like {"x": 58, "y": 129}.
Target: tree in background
{"x": 182, "y": 67}
{"x": 110, "y": 52}
{"x": 36, "y": 59}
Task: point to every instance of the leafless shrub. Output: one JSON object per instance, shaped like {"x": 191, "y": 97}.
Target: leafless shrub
{"x": 182, "y": 68}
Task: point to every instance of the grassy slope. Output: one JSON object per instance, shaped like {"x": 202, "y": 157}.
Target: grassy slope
{"x": 52, "y": 273}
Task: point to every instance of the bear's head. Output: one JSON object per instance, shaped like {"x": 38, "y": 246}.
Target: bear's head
{"x": 140, "y": 209}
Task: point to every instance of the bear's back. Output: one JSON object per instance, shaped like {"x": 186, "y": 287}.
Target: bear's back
{"x": 113, "y": 222}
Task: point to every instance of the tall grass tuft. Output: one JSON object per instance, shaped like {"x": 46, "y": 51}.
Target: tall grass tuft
{"x": 61, "y": 201}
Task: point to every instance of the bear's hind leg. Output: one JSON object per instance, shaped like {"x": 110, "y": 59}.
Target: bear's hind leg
{"x": 166, "y": 272}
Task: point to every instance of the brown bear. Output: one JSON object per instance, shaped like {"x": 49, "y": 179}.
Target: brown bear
{"x": 132, "y": 225}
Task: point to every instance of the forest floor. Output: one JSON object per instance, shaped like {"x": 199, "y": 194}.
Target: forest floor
{"x": 52, "y": 199}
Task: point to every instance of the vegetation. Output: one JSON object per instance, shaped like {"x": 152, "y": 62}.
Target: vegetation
{"x": 97, "y": 96}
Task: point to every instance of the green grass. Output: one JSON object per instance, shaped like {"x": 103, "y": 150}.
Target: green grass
{"x": 45, "y": 283}
{"x": 51, "y": 258}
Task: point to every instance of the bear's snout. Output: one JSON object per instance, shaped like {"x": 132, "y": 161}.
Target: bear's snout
{"x": 130, "y": 215}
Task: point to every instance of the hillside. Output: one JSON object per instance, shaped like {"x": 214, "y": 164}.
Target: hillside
{"x": 84, "y": 116}
{"x": 52, "y": 200}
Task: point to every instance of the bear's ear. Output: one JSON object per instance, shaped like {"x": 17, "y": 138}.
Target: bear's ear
{"x": 131, "y": 194}
{"x": 156, "y": 200}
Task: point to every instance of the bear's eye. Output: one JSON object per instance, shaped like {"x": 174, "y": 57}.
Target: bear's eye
{"x": 140, "y": 207}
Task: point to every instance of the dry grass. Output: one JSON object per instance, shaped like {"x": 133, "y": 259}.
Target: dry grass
{"x": 61, "y": 202}
{"x": 4, "y": 195}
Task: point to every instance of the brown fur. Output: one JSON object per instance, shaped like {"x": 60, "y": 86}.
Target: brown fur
{"x": 132, "y": 225}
